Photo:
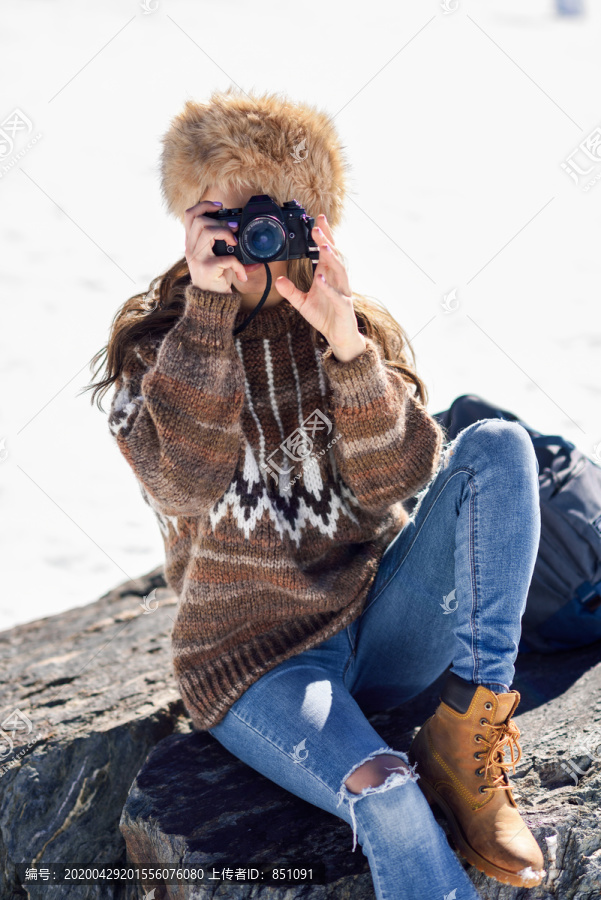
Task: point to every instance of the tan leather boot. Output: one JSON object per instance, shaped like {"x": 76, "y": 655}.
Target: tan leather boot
{"x": 460, "y": 756}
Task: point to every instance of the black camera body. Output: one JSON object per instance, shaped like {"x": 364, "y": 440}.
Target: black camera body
{"x": 267, "y": 232}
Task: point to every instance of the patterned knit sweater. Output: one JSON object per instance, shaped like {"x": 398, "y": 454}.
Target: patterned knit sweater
{"x": 276, "y": 473}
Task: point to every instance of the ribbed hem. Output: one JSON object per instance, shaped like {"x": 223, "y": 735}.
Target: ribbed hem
{"x": 215, "y": 313}
{"x": 359, "y": 381}
{"x": 208, "y": 697}
{"x": 209, "y": 693}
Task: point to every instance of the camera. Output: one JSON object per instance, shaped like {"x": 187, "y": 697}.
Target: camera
{"x": 267, "y": 232}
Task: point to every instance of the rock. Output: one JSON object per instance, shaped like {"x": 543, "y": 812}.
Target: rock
{"x": 221, "y": 813}
{"x": 118, "y": 776}
{"x": 96, "y": 684}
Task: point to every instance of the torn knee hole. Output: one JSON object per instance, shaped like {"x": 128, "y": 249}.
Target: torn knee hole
{"x": 368, "y": 777}
{"x": 374, "y": 772}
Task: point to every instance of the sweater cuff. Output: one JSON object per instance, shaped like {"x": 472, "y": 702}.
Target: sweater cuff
{"x": 359, "y": 381}
{"x": 214, "y": 312}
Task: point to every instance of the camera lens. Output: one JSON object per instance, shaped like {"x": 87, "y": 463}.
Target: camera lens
{"x": 264, "y": 238}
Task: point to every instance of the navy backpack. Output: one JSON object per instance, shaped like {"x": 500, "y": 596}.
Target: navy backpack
{"x": 563, "y": 609}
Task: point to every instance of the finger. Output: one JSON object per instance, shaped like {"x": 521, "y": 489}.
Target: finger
{"x": 203, "y": 206}
{"x": 196, "y": 218}
{"x": 320, "y": 238}
{"x": 202, "y": 254}
{"x": 341, "y": 299}
{"x": 323, "y": 282}
{"x": 201, "y": 237}
{"x": 220, "y": 264}
{"x": 229, "y": 262}
{"x": 290, "y": 291}
{"x": 329, "y": 258}
{"x": 330, "y": 262}
{"x": 323, "y": 223}
{"x": 195, "y": 222}
{"x": 212, "y": 233}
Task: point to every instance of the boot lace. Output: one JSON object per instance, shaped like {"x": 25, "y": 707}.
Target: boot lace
{"x": 505, "y": 734}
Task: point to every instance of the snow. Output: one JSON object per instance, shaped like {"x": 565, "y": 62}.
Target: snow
{"x": 456, "y": 122}
{"x": 529, "y": 874}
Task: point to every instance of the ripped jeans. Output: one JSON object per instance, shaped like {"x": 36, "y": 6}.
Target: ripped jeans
{"x": 450, "y": 590}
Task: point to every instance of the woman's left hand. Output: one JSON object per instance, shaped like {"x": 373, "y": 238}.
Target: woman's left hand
{"x": 328, "y": 305}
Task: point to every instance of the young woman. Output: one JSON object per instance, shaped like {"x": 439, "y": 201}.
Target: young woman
{"x": 276, "y": 457}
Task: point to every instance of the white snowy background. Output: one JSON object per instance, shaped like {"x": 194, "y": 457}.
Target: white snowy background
{"x": 456, "y": 123}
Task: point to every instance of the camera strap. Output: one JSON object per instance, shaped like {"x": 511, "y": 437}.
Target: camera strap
{"x": 250, "y": 317}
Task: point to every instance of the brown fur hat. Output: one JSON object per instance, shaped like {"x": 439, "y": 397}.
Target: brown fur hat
{"x": 268, "y": 143}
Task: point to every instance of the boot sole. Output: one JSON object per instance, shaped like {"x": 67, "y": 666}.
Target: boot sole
{"x": 465, "y": 849}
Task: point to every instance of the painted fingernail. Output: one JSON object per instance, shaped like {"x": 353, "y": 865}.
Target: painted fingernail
{"x": 319, "y": 230}
{"x": 327, "y": 248}
{"x": 233, "y": 224}
{"x": 216, "y": 202}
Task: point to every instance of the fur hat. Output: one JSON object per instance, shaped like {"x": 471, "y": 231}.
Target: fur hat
{"x": 268, "y": 143}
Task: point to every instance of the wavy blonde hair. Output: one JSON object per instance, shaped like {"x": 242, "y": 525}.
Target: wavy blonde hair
{"x": 146, "y": 317}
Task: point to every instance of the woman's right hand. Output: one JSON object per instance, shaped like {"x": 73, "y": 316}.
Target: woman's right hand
{"x": 207, "y": 271}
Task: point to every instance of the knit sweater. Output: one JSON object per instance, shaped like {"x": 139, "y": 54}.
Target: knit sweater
{"x": 277, "y": 474}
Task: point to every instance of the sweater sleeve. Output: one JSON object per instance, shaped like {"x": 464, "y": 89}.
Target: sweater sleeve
{"x": 388, "y": 445}
{"x": 177, "y": 421}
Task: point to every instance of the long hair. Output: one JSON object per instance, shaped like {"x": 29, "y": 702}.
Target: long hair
{"x": 144, "y": 319}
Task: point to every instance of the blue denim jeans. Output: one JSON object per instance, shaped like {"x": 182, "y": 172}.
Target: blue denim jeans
{"x": 451, "y": 589}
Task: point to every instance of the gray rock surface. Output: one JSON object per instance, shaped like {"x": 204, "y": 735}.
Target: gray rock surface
{"x": 96, "y": 684}
{"x": 111, "y": 760}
